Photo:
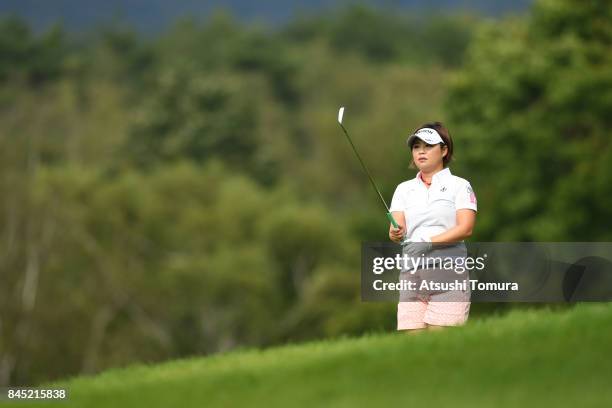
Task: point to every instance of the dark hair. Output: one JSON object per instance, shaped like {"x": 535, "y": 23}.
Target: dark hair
{"x": 444, "y": 134}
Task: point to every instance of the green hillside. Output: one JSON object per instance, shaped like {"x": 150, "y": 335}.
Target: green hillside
{"x": 525, "y": 358}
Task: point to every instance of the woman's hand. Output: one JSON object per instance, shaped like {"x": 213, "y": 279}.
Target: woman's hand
{"x": 397, "y": 234}
{"x": 418, "y": 247}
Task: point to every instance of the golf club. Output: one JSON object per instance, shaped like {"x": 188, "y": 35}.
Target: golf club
{"x": 389, "y": 215}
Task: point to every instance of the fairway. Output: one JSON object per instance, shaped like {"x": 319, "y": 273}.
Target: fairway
{"x": 526, "y": 358}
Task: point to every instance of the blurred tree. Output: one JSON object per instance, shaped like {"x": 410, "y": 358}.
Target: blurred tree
{"x": 121, "y": 56}
{"x": 533, "y": 103}
{"x": 387, "y": 36}
{"x": 34, "y": 60}
{"x": 195, "y": 118}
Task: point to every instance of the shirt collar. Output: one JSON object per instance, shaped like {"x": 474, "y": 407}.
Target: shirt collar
{"x": 445, "y": 172}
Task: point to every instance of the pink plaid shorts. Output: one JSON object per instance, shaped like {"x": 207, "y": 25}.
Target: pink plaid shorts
{"x": 417, "y": 314}
{"x": 417, "y": 309}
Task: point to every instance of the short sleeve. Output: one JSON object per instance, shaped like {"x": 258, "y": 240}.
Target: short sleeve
{"x": 398, "y": 201}
{"x": 465, "y": 198}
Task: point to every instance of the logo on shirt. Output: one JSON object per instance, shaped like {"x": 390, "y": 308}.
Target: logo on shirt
{"x": 443, "y": 189}
{"x": 471, "y": 194}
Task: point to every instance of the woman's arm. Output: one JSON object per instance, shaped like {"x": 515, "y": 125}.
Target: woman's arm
{"x": 466, "y": 219}
{"x": 396, "y": 235}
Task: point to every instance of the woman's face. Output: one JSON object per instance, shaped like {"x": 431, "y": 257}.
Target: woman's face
{"x": 428, "y": 157}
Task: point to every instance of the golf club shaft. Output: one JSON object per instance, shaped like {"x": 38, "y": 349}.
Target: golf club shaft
{"x": 389, "y": 215}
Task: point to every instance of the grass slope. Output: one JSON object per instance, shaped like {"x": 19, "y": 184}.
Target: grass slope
{"x": 525, "y": 358}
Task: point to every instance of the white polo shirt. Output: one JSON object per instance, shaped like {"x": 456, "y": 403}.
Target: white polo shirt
{"x": 432, "y": 211}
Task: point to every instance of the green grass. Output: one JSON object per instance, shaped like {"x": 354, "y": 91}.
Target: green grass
{"x": 524, "y": 358}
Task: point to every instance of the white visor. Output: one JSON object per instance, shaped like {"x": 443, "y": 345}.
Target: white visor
{"x": 428, "y": 135}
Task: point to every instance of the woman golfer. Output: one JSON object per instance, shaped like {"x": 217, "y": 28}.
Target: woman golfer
{"x": 434, "y": 208}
